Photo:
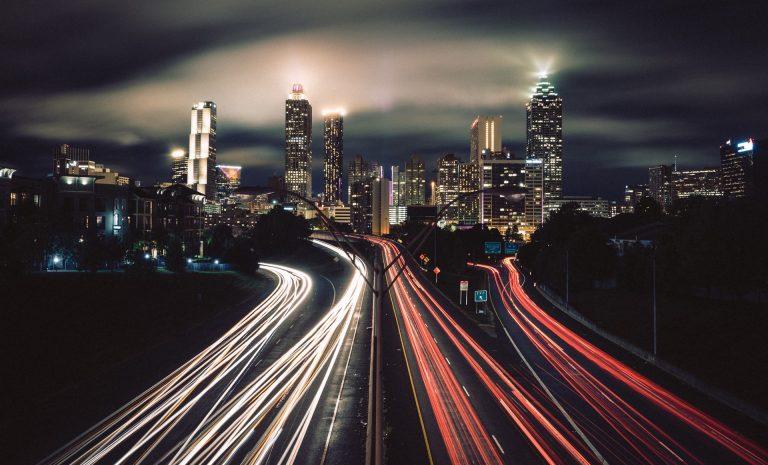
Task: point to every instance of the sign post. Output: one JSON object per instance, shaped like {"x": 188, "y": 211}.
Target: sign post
{"x": 463, "y": 292}
{"x": 481, "y": 296}
{"x": 437, "y": 272}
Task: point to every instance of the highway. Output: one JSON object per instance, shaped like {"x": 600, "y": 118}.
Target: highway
{"x": 267, "y": 391}
{"x": 468, "y": 407}
{"x": 616, "y": 414}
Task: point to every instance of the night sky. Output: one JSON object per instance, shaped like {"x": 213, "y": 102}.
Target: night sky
{"x": 640, "y": 83}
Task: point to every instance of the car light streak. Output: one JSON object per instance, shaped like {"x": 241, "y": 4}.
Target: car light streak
{"x": 215, "y": 408}
{"x": 636, "y": 433}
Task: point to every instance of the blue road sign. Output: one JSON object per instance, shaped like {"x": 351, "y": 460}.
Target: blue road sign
{"x": 481, "y": 296}
{"x": 511, "y": 248}
{"x": 493, "y": 248}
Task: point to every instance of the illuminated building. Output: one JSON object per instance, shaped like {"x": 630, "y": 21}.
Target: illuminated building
{"x": 361, "y": 205}
{"x": 534, "y": 193}
{"x": 298, "y": 143}
{"x": 484, "y": 133}
{"x": 415, "y": 182}
{"x": 201, "y": 173}
{"x": 358, "y": 170}
{"x": 179, "y": 167}
{"x": 65, "y": 157}
{"x": 333, "y": 132}
{"x": 702, "y": 182}
{"x": 736, "y": 168}
{"x": 500, "y": 170}
{"x": 467, "y": 210}
{"x": 227, "y": 181}
{"x": 632, "y": 194}
{"x": 448, "y": 185}
{"x": 380, "y": 192}
{"x": 660, "y": 185}
{"x": 595, "y": 206}
{"x": 544, "y": 127}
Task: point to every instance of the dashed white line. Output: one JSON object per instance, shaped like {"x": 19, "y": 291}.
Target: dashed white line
{"x": 465, "y": 391}
{"x": 497, "y": 443}
{"x": 446, "y": 359}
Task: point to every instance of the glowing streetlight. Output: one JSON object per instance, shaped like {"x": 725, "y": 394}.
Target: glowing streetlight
{"x": 56, "y": 259}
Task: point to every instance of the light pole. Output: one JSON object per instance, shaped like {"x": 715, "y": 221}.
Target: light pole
{"x": 653, "y": 267}
{"x": 567, "y": 276}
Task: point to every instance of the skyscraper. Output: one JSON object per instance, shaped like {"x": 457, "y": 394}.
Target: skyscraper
{"x": 415, "y": 182}
{"x": 660, "y": 185}
{"x": 544, "y": 127}
{"x": 484, "y": 133}
{"x": 201, "y": 169}
{"x": 736, "y": 168}
{"x": 380, "y": 205}
{"x": 333, "y": 133}
{"x": 534, "y": 193}
{"x": 701, "y": 182}
{"x": 227, "y": 181}
{"x": 469, "y": 181}
{"x": 358, "y": 170}
{"x": 496, "y": 211}
{"x": 448, "y": 186}
{"x": 298, "y": 142}
{"x": 179, "y": 166}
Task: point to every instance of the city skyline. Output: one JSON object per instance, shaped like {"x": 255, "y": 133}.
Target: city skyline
{"x": 641, "y": 88}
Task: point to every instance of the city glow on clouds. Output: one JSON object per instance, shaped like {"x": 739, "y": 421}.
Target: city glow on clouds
{"x": 249, "y": 81}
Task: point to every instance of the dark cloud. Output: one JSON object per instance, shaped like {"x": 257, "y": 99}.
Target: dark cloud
{"x": 642, "y": 81}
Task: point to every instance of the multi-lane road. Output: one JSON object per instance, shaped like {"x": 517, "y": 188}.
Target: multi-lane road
{"x": 267, "y": 391}
{"x": 551, "y": 398}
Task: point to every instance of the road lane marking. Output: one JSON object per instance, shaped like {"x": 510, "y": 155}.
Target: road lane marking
{"x": 446, "y": 359}
{"x": 497, "y": 443}
{"x": 465, "y": 391}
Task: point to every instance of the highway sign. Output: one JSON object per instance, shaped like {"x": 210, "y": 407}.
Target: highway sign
{"x": 493, "y": 248}
{"x": 463, "y": 285}
{"x": 436, "y": 270}
{"x": 511, "y": 248}
{"x": 481, "y": 296}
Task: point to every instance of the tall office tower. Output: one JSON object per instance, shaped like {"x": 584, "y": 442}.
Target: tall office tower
{"x": 398, "y": 211}
{"x": 495, "y": 210}
{"x": 448, "y": 185}
{"x": 702, "y": 182}
{"x": 633, "y": 193}
{"x": 534, "y": 193}
{"x": 65, "y": 157}
{"x": 357, "y": 170}
{"x": 179, "y": 166}
{"x": 380, "y": 206}
{"x": 415, "y": 183}
{"x": 201, "y": 170}
{"x": 484, "y": 133}
{"x": 361, "y": 205}
{"x": 298, "y": 143}
{"x": 544, "y": 128}
{"x": 660, "y": 185}
{"x": 736, "y": 168}
{"x": 333, "y": 134}
{"x": 227, "y": 181}
{"x": 469, "y": 181}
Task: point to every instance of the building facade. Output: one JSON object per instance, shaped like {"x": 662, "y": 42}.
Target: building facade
{"x": 495, "y": 210}
{"x": 179, "y": 167}
{"x": 736, "y": 168}
{"x": 201, "y": 170}
{"x": 484, "y": 133}
{"x": 333, "y": 142}
{"x": 298, "y": 142}
{"x": 227, "y": 181}
{"x": 702, "y": 182}
{"x": 544, "y": 136}
{"x": 660, "y": 185}
{"x": 415, "y": 182}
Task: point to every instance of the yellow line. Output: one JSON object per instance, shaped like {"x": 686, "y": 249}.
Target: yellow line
{"x": 410, "y": 377}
